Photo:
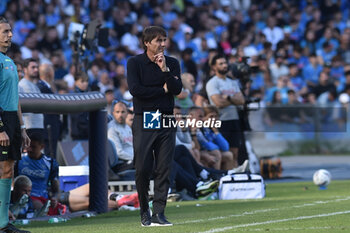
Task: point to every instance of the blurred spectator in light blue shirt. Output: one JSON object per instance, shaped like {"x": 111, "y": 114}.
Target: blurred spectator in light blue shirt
{"x": 344, "y": 47}
{"x": 167, "y": 14}
{"x": 298, "y": 57}
{"x": 308, "y": 42}
{"x": 326, "y": 53}
{"x": 327, "y": 37}
{"x": 257, "y": 81}
{"x": 338, "y": 21}
{"x": 297, "y": 82}
{"x": 22, "y": 28}
{"x": 3, "y": 5}
{"x": 282, "y": 87}
{"x": 52, "y": 17}
{"x": 312, "y": 71}
{"x": 337, "y": 72}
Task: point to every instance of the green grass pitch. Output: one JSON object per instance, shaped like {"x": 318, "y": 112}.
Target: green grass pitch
{"x": 287, "y": 207}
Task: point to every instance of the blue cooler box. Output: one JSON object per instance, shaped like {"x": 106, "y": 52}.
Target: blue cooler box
{"x": 72, "y": 177}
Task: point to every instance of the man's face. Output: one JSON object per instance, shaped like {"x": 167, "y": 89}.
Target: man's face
{"x": 32, "y": 71}
{"x": 197, "y": 114}
{"x": 293, "y": 70}
{"x": 82, "y": 84}
{"x": 189, "y": 82}
{"x": 212, "y": 115}
{"x": 5, "y": 36}
{"x": 157, "y": 45}
{"x": 34, "y": 150}
{"x": 120, "y": 113}
{"x": 129, "y": 119}
{"x": 221, "y": 66}
{"x": 46, "y": 72}
{"x": 19, "y": 191}
{"x": 25, "y": 189}
{"x": 178, "y": 114}
{"x": 109, "y": 97}
{"x": 292, "y": 97}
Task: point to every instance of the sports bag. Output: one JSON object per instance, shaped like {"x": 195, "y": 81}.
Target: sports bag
{"x": 241, "y": 186}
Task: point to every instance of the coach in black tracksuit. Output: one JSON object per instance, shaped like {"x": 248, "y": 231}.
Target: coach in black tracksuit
{"x": 153, "y": 81}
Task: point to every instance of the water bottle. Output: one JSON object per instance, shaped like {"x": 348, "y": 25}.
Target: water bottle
{"x": 88, "y": 215}
{"x": 57, "y": 220}
{"x": 21, "y": 222}
{"x": 125, "y": 207}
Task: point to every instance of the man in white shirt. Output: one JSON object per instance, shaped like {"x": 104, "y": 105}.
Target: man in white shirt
{"x": 272, "y": 32}
{"x": 28, "y": 85}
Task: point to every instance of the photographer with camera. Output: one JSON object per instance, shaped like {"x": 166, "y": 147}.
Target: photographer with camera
{"x": 224, "y": 92}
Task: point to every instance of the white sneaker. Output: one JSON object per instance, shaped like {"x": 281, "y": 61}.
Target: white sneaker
{"x": 243, "y": 168}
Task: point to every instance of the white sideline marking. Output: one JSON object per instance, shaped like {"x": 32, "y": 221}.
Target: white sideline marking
{"x": 289, "y": 229}
{"x": 265, "y": 210}
{"x": 275, "y": 221}
{"x": 228, "y": 216}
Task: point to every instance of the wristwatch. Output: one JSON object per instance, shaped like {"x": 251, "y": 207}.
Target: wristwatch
{"x": 167, "y": 69}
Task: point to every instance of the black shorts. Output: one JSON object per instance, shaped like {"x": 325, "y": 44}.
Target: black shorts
{"x": 231, "y": 131}
{"x": 13, "y": 130}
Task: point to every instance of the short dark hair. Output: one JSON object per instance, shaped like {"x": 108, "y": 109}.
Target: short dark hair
{"x": 29, "y": 60}
{"x": 151, "y": 32}
{"x": 109, "y": 91}
{"x": 3, "y": 20}
{"x": 290, "y": 91}
{"x": 81, "y": 75}
{"x": 292, "y": 64}
{"x": 36, "y": 136}
{"x": 195, "y": 108}
{"x": 216, "y": 57}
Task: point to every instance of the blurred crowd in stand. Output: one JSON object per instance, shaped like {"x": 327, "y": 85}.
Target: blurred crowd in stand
{"x": 299, "y": 52}
{"x": 297, "y": 45}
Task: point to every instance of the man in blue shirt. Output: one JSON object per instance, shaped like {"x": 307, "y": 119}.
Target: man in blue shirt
{"x": 42, "y": 170}
{"x": 12, "y": 129}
